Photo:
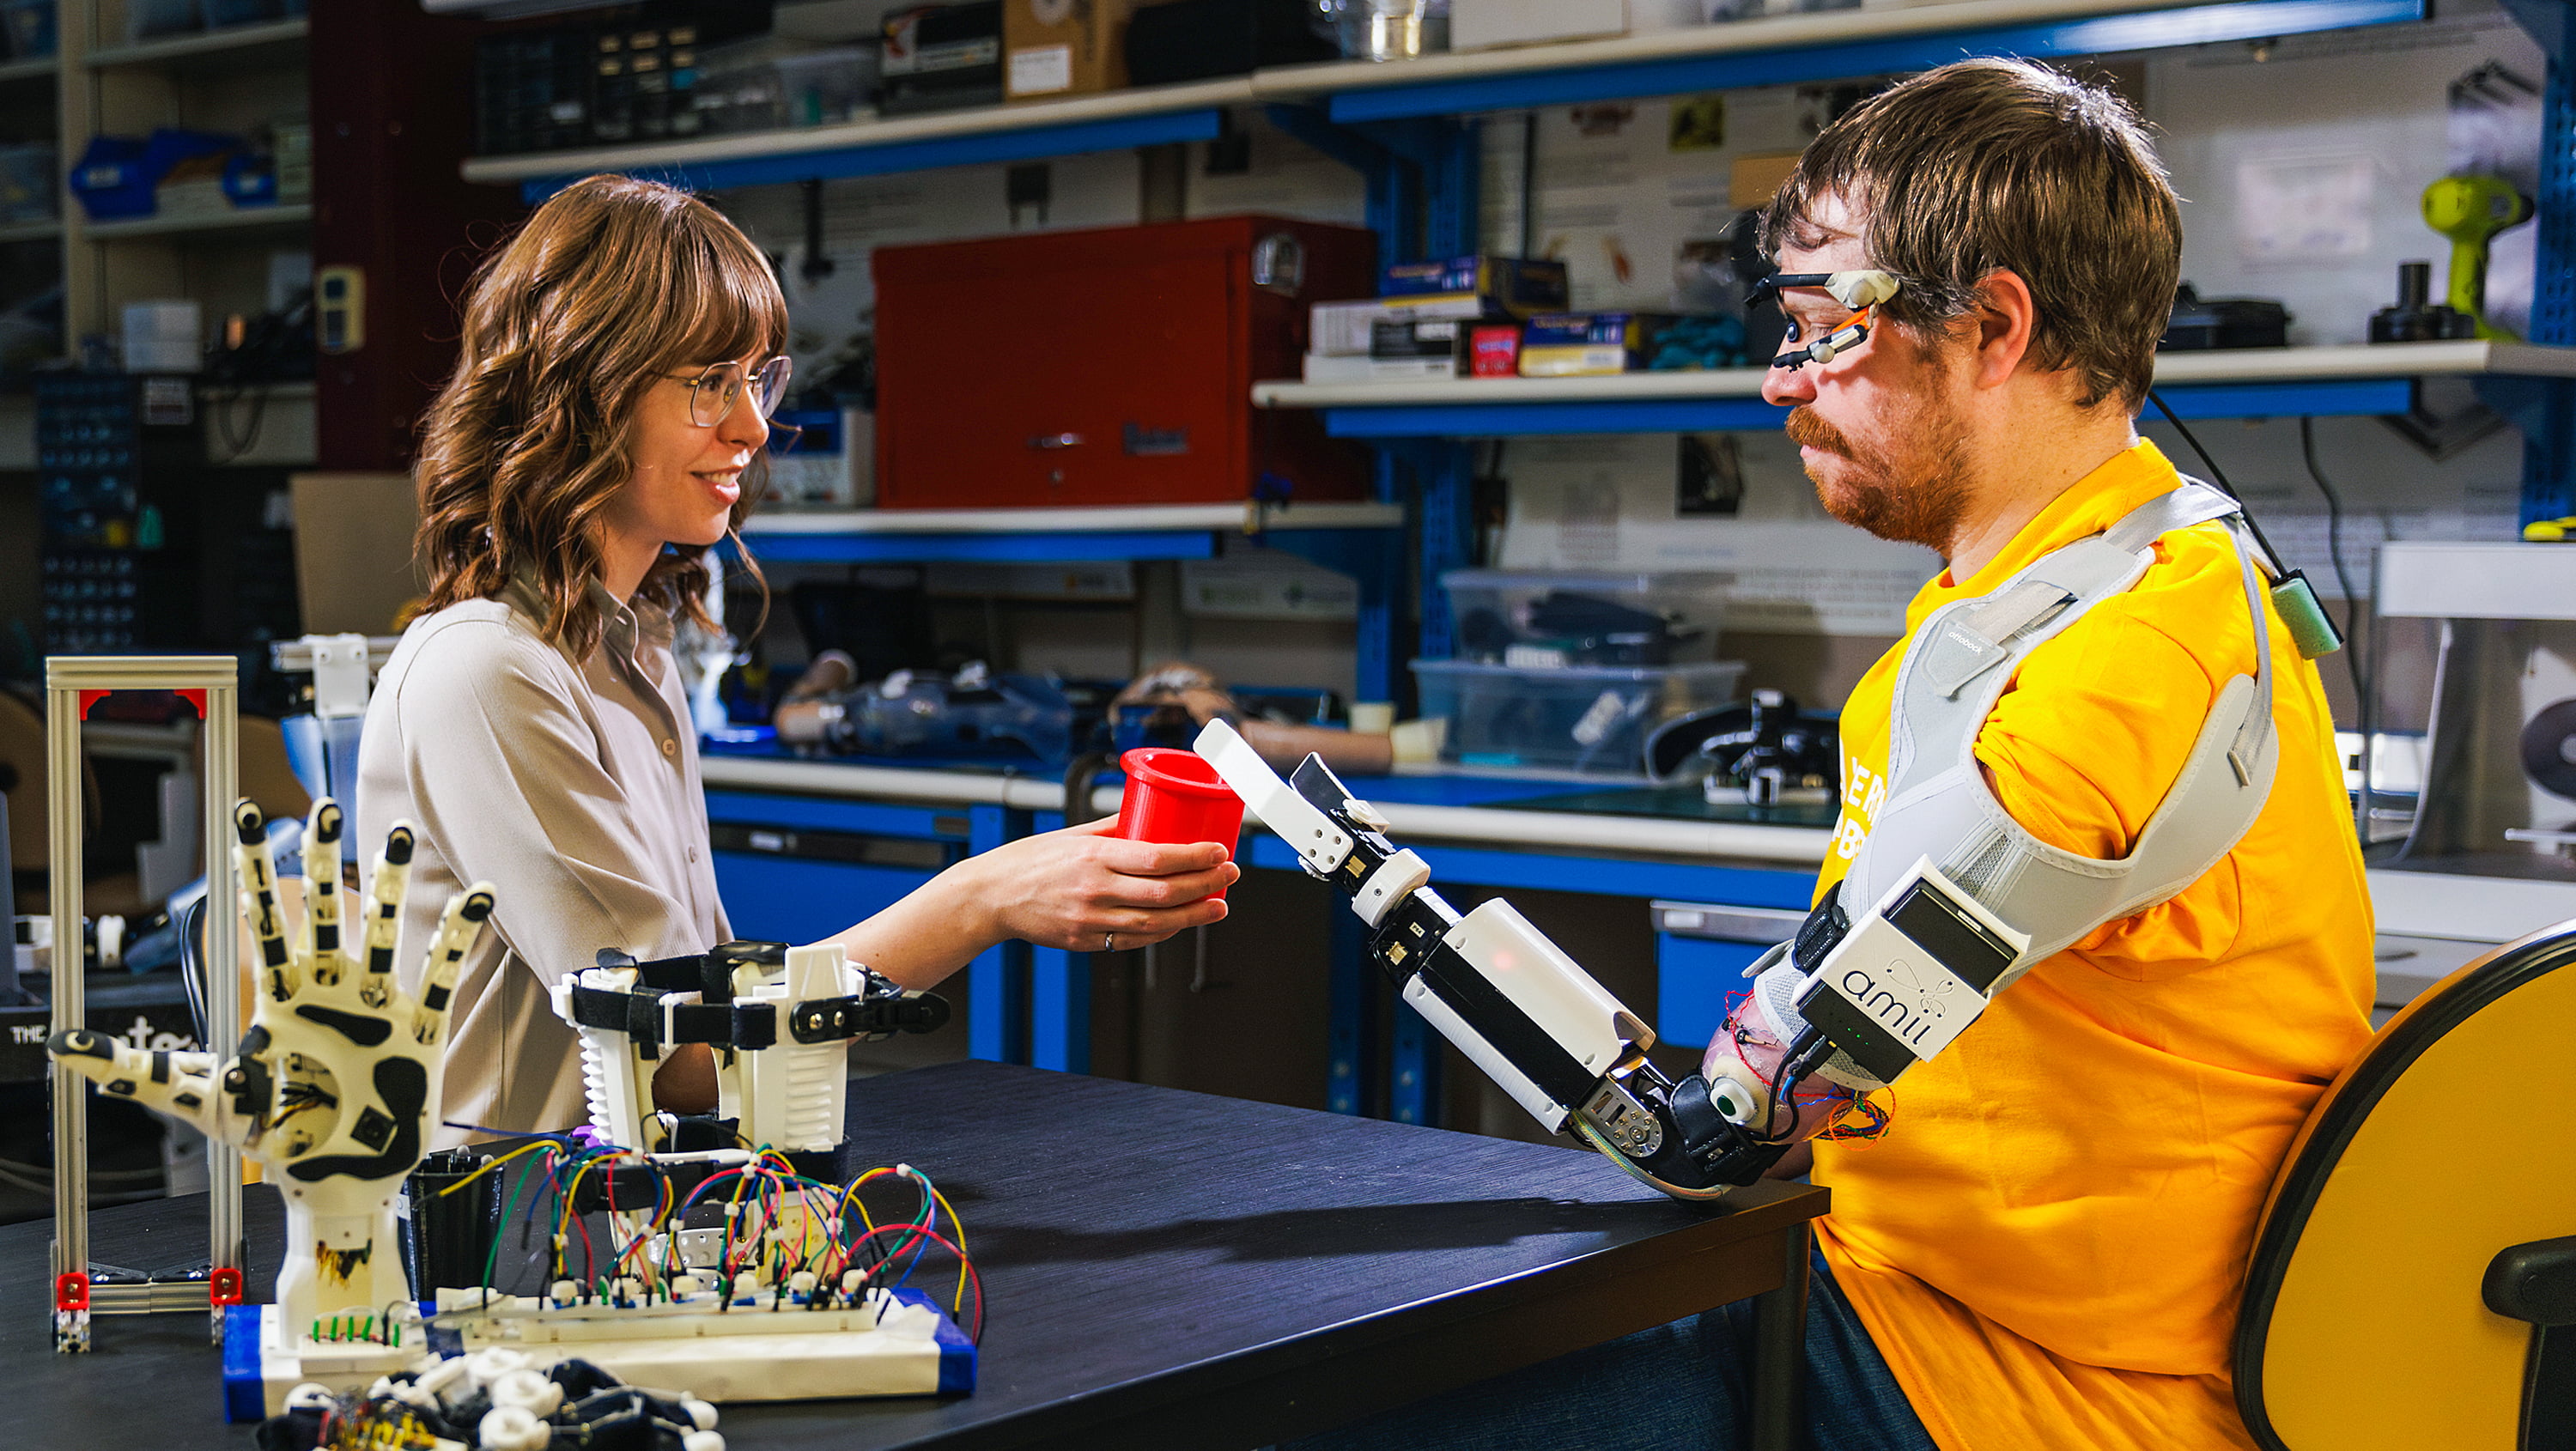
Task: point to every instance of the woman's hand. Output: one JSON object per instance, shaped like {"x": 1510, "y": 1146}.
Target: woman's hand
{"x": 1080, "y": 887}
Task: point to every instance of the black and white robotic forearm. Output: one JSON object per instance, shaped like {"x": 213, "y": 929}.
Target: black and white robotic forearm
{"x": 1496, "y": 987}
{"x": 1573, "y": 1055}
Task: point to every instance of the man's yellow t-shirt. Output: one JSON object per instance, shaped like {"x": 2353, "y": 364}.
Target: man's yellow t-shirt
{"x": 2049, "y": 1243}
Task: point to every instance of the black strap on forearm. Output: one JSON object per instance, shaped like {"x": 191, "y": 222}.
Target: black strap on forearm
{"x": 820, "y": 1020}
{"x": 708, "y": 974}
{"x": 752, "y": 1025}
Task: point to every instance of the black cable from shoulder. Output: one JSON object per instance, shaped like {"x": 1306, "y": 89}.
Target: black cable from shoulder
{"x": 2334, "y": 551}
{"x": 2280, "y": 566}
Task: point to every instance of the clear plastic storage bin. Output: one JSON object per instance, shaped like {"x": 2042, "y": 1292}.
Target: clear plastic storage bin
{"x": 1536, "y": 619}
{"x": 1586, "y": 718}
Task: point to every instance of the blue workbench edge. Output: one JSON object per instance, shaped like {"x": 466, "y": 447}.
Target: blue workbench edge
{"x": 956, "y": 1352}
{"x": 245, "y": 1393}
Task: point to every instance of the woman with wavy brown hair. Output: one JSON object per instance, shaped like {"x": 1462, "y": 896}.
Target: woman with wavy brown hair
{"x": 605, "y": 426}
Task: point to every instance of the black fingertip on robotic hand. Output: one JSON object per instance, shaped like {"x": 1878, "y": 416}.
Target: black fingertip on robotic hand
{"x": 249, "y": 826}
{"x": 80, "y": 1043}
{"x": 398, "y": 846}
{"x": 326, "y": 819}
{"x": 477, "y": 908}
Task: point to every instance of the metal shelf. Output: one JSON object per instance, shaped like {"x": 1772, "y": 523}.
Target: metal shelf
{"x": 1052, "y": 536}
{"x": 1790, "y": 48}
{"x": 234, "y": 47}
{"x": 1115, "y": 121}
{"x": 2327, "y": 381}
{"x": 43, "y": 67}
{"x": 238, "y": 222}
{"x": 45, "y": 230}
{"x": 1713, "y": 57}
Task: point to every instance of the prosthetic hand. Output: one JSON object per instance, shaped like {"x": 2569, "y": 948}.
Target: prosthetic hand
{"x": 336, "y": 1083}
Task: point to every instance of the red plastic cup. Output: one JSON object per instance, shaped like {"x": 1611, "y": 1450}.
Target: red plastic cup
{"x": 1176, "y": 798}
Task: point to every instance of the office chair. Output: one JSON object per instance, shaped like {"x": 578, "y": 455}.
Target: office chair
{"x": 2414, "y": 1280}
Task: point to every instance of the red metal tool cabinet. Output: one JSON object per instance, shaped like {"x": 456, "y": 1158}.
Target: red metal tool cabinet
{"x": 1108, "y": 367}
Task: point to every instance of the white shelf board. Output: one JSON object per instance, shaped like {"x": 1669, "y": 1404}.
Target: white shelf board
{"x": 1783, "y": 32}
{"x": 1107, "y": 518}
{"x": 31, "y": 231}
{"x": 241, "y": 219}
{"x": 1034, "y": 116}
{"x": 2242, "y": 365}
{"x": 29, "y": 70}
{"x": 2489, "y": 580}
{"x": 285, "y": 435}
{"x": 232, "y": 45}
{"x": 2366, "y": 360}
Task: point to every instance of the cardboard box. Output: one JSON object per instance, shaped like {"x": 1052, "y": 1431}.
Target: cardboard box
{"x": 1411, "y": 337}
{"x": 1494, "y": 350}
{"x": 1589, "y": 344}
{"x": 1519, "y": 286}
{"x": 940, "y": 57}
{"x": 1441, "y": 304}
{"x": 355, "y": 572}
{"x": 1341, "y": 329}
{"x": 1378, "y": 370}
{"x": 1477, "y": 24}
{"x": 1063, "y": 47}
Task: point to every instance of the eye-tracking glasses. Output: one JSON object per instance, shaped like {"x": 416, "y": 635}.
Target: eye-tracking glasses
{"x": 1861, "y": 291}
{"x": 712, "y": 392}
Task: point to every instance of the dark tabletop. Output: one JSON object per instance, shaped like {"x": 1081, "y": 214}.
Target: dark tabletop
{"x": 1166, "y": 1269}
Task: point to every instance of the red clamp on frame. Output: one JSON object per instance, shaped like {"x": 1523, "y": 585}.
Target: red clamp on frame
{"x": 224, "y": 1287}
{"x": 71, "y": 1292}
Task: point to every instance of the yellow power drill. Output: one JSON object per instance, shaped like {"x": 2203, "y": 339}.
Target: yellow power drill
{"x": 2470, "y": 210}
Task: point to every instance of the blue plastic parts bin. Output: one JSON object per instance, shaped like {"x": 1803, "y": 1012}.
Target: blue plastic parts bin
{"x": 117, "y": 175}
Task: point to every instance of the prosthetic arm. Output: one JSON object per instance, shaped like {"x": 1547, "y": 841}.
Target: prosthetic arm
{"x": 1946, "y": 902}
{"x": 1509, "y": 998}
{"x": 335, "y": 1085}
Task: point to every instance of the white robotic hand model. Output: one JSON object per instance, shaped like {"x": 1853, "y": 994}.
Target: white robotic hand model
{"x": 336, "y": 1084}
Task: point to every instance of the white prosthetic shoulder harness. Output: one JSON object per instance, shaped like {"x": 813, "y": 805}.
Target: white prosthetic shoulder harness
{"x": 1949, "y": 899}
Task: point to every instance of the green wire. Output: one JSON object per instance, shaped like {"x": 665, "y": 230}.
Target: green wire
{"x": 492, "y": 1261}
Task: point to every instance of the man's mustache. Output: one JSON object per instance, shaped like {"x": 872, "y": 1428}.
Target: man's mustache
{"x": 1808, "y": 431}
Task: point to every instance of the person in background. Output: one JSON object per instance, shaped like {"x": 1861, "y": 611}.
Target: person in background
{"x": 606, "y": 425}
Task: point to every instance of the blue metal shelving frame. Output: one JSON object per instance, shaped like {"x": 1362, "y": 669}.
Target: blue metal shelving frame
{"x": 2318, "y": 398}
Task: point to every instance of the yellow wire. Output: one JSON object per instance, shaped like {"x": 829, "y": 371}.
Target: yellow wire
{"x": 953, "y": 1222}
{"x": 494, "y": 1163}
{"x": 956, "y": 1306}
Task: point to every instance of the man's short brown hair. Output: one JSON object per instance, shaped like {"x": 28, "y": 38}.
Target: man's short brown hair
{"x": 1990, "y": 165}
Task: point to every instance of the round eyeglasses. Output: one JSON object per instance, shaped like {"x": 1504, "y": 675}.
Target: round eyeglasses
{"x": 712, "y": 393}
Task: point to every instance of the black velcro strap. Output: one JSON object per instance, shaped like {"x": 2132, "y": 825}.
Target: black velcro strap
{"x": 820, "y": 1020}
{"x": 701, "y": 1023}
{"x": 637, "y": 1015}
{"x": 1822, "y": 932}
{"x": 673, "y": 974}
{"x": 755, "y": 1025}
